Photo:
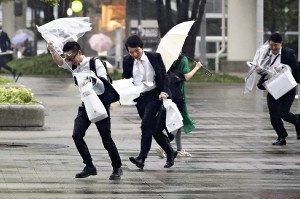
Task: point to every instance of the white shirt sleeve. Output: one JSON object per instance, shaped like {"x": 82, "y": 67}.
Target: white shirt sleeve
{"x": 100, "y": 69}
{"x": 101, "y": 72}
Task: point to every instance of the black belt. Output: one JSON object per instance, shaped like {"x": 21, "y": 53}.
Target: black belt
{"x": 152, "y": 92}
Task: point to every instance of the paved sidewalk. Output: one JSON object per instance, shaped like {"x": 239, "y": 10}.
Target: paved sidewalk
{"x": 232, "y": 155}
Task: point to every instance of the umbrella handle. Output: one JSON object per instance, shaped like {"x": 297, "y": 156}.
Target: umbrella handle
{"x": 207, "y": 72}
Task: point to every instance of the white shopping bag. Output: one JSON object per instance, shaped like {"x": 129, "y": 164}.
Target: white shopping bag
{"x": 281, "y": 83}
{"x": 93, "y": 105}
{"x": 173, "y": 116}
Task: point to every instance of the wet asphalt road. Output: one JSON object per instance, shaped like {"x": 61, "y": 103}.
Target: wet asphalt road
{"x": 232, "y": 155}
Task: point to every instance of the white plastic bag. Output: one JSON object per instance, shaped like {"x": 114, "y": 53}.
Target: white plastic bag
{"x": 281, "y": 83}
{"x": 93, "y": 105}
{"x": 173, "y": 116}
{"x": 127, "y": 90}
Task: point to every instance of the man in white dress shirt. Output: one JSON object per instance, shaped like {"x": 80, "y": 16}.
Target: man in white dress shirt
{"x": 75, "y": 61}
{"x": 148, "y": 71}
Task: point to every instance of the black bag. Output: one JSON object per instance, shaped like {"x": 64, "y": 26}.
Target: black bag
{"x": 110, "y": 95}
{"x": 93, "y": 67}
{"x": 261, "y": 81}
{"x": 160, "y": 123}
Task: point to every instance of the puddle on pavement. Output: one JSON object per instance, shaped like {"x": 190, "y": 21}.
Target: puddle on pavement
{"x": 13, "y": 145}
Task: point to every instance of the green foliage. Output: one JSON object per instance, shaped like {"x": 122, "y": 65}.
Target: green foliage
{"x": 45, "y": 66}
{"x": 116, "y": 75}
{"x": 280, "y": 15}
{"x": 38, "y": 65}
{"x": 5, "y": 1}
{"x": 49, "y": 2}
{"x": 17, "y": 96}
{"x": 4, "y": 80}
{"x": 201, "y": 76}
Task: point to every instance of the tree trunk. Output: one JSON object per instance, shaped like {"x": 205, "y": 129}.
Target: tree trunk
{"x": 48, "y": 13}
{"x": 164, "y": 16}
{"x": 189, "y": 45}
{"x": 62, "y": 8}
{"x": 195, "y": 9}
{"x": 183, "y": 12}
{"x": 165, "y": 20}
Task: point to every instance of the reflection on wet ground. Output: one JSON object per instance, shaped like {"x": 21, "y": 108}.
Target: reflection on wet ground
{"x": 232, "y": 155}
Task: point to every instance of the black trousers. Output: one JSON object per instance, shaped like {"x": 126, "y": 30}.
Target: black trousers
{"x": 3, "y": 62}
{"x": 80, "y": 127}
{"x": 147, "y": 107}
{"x": 280, "y": 110}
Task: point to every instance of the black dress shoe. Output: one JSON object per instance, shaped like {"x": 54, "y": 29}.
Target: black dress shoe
{"x": 279, "y": 141}
{"x": 86, "y": 172}
{"x": 116, "y": 174}
{"x": 170, "y": 160}
{"x": 169, "y": 164}
{"x": 140, "y": 163}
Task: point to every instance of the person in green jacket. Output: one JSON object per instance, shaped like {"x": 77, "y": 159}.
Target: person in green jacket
{"x": 179, "y": 73}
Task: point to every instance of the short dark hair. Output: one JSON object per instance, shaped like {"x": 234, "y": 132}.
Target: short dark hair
{"x": 71, "y": 45}
{"x": 275, "y": 37}
{"x": 134, "y": 41}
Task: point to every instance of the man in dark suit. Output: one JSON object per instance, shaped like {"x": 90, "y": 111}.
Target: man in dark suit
{"x": 149, "y": 73}
{"x": 5, "y": 57}
{"x": 280, "y": 109}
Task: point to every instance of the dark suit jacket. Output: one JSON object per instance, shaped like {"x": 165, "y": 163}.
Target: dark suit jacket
{"x": 4, "y": 41}
{"x": 288, "y": 57}
{"x": 161, "y": 77}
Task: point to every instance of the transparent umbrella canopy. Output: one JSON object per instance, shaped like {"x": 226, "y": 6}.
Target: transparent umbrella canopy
{"x": 62, "y": 30}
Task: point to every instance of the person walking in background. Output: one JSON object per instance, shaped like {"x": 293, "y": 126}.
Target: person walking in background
{"x": 5, "y": 56}
{"x": 148, "y": 72}
{"x": 76, "y": 62}
{"x": 178, "y": 74}
{"x": 279, "y": 109}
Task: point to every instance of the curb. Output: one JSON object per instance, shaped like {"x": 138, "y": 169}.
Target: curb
{"x": 31, "y": 115}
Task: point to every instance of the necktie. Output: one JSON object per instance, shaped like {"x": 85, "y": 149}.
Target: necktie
{"x": 267, "y": 62}
{"x": 142, "y": 69}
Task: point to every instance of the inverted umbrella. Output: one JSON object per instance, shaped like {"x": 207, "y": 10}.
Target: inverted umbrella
{"x": 100, "y": 42}
{"x": 62, "y": 30}
{"x": 170, "y": 45}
